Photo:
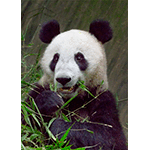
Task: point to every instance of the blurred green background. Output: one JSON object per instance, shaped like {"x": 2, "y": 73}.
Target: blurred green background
{"x": 78, "y": 14}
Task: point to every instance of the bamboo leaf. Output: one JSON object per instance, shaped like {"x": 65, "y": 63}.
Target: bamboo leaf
{"x": 82, "y": 86}
{"x": 65, "y": 117}
{"x": 50, "y": 133}
{"x": 35, "y": 118}
{"x": 64, "y": 137}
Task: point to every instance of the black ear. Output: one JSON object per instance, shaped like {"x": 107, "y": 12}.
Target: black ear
{"x": 101, "y": 30}
{"x": 49, "y": 31}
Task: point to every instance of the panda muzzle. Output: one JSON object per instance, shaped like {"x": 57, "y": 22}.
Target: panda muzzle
{"x": 68, "y": 90}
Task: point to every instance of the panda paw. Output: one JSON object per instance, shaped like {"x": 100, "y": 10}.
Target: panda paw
{"x": 48, "y": 102}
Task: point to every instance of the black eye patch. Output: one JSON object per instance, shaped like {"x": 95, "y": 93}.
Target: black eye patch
{"x": 54, "y": 62}
{"x": 81, "y": 61}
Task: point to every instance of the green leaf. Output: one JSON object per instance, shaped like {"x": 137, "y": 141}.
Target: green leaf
{"x": 89, "y": 131}
{"x": 51, "y": 121}
{"x": 102, "y": 83}
{"x": 51, "y": 87}
{"x": 38, "y": 110}
{"x": 22, "y": 146}
{"x": 35, "y": 118}
{"x": 33, "y": 136}
{"x": 85, "y": 119}
{"x": 80, "y": 148}
{"x": 47, "y": 129}
{"x": 24, "y": 137}
{"x": 66, "y": 104}
{"x": 62, "y": 140}
{"x": 26, "y": 117}
{"x": 65, "y": 117}
{"x": 82, "y": 86}
{"x": 29, "y": 45}
{"x": 117, "y": 100}
{"x": 50, "y": 133}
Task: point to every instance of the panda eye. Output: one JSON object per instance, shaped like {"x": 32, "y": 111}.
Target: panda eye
{"x": 54, "y": 62}
{"x": 81, "y": 61}
{"x": 79, "y": 56}
{"x": 56, "y": 57}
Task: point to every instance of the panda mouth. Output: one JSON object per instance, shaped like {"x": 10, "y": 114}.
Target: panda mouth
{"x": 68, "y": 90}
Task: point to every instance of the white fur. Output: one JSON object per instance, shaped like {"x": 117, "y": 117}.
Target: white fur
{"x": 67, "y": 44}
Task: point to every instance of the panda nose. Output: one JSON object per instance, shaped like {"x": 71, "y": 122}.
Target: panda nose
{"x": 63, "y": 81}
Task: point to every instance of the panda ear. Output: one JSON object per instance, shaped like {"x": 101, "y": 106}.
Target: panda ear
{"x": 49, "y": 31}
{"x": 101, "y": 30}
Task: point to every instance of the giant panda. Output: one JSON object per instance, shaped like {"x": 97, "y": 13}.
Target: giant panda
{"x": 72, "y": 57}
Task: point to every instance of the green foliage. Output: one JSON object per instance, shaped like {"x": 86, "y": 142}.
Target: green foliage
{"x": 82, "y": 86}
{"x": 32, "y": 138}
{"x": 117, "y": 100}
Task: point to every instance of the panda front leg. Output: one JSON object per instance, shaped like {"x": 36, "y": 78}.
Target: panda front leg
{"x": 88, "y": 135}
{"x": 48, "y": 102}
{"x": 92, "y": 136}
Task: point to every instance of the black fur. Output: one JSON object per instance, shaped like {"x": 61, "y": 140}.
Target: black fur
{"x": 101, "y": 30}
{"x": 48, "y": 102}
{"x": 81, "y": 61}
{"x": 49, "y": 31}
{"x": 54, "y": 62}
{"x": 102, "y": 115}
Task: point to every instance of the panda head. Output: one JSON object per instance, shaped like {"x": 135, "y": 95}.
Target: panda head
{"x": 74, "y": 56}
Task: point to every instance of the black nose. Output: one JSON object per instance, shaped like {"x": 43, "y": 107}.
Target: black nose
{"x": 63, "y": 81}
